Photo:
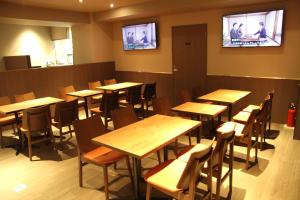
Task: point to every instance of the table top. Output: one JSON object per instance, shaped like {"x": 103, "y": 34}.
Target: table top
{"x": 147, "y": 136}
{"x": 200, "y": 109}
{"x": 250, "y": 108}
{"x": 225, "y": 96}
{"x": 84, "y": 93}
{"x": 119, "y": 86}
{"x": 16, "y": 107}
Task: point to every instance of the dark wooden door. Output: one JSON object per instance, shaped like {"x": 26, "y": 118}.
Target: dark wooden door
{"x": 189, "y": 48}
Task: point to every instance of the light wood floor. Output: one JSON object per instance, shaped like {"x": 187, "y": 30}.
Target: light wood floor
{"x": 53, "y": 174}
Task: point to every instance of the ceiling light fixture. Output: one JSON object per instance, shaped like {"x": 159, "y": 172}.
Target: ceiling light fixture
{"x": 111, "y": 5}
{"x": 80, "y": 1}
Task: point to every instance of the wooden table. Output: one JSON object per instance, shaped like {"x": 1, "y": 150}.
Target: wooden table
{"x": 200, "y": 109}
{"x": 119, "y": 86}
{"x": 18, "y": 107}
{"x": 85, "y": 94}
{"x": 144, "y": 137}
{"x": 228, "y": 97}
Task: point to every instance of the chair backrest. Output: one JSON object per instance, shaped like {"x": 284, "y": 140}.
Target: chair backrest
{"x": 4, "y": 101}
{"x": 223, "y": 139}
{"x": 110, "y": 81}
{"x": 66, "y": 112}
{"x": 24, "y": 97}
{"x": 134, "y": 95}
{"x": 185, "y": 96}
{"x": 150, "y": 91}
{"x": 194, "y": 166}
{"x": 248, "y": 128}
{"x": 62, "y": 92}
{"x": 94, "y": 85}
{"x": 264, "y": 109}
{"x": 37, "y": 119}
{"x": 86, "y": 130}
{"x": 162, "y": 105}
{"x": 109, "y": 102}
{"x": 123, "y": 117}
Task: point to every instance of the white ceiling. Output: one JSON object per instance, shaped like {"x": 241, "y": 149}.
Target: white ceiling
{"x": 74, "y": 5}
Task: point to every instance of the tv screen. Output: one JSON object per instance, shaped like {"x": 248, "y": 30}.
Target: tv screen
{"x": 258, "y": 29}
{"x": 139, "y": 36}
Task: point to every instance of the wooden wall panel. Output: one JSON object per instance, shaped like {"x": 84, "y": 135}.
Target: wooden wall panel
{"x": 46, "y": 81}
{"x": 297, "y": 127}
{"x": 286, "y": 90}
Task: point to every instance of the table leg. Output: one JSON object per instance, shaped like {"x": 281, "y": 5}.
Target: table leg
{"x": 136, "y": 177}
{"x": 86, "y": 107}
{"x": 229, "y": 111}
{"x": 199, "y": 130}
{"x": 19, "y": 146}
{"x": 165, "y": 153}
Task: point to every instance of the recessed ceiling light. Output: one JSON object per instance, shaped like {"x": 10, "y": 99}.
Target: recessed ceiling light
{"x": 111, "y": 5}
{"x": 80, "y": 1}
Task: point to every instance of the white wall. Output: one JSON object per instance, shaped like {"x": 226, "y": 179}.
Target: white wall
{"x": 26, "y": 40}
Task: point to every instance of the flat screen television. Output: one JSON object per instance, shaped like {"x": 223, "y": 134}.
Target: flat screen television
{"x": 140, "y": 36}
{"x": 259, "y": 29}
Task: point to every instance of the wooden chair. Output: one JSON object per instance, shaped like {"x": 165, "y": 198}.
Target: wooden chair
{"x": 224, "y": 139}
{"x": 62, "y": 92}
{"x": 126, "y": 116}
{"x": 149, "y": 94}
{"x": 110, "y": 81}
{"x": 177, "y": 178}
{"x": 243, "y": 134}
{"x": 89, "y": 152}
{"x": 109, "y": 102}
{"x": 24, "y": 97}
{"x": 34, "y": 122}
{"x": 185, "y": 96}
{"x": 269, "y": 111}
{"x": 134, "y": 97}
{"x": 93, "y": 86}
{"x": 162, "y": 106}
{"x": 65, "y": 114}
{"x": 6, "y": 120}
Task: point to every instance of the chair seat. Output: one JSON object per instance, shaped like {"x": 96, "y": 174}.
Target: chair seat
{"x": 238, "y": 128}
{"x": 96, "y": 110}
{"x": 103, "y": 156}
{"x": 7, "y": 119}
{"x": 250, "y": 108}
{"x": 242, "y": 117}
{"x": 97, "y": 97}
{"x": 81, "y": 102}
{"x": 166, "y": 175}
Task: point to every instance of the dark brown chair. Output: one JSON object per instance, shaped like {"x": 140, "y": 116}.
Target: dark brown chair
{"x": 93, "y": 86}
{"x": 89, "y": 152}
{"x": 110, "y": 81}
{"x": 243, "y": 135}
{"x": 149, "y": 94}
{"x": 62, "y": 92}
{"x": 24, "y": 97}
{"x": 36, "y": 121}
{"x": 126, "y": 116}
{"x": 162, "y": 106}
{"x": 219, "y": 153}
{"x": 134, "y": 97}
{"x": 109, "y": 102}
{"x": 6, "y": 120}
{"x": 269, "y": 111}
{"x": 65, "y": 114}
{"x": 185, "y": 96}
{"x": 178, "y": 178}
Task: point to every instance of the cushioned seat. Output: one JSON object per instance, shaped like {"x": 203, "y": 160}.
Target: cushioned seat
{"x": 250, "y": 108}
{"x": 103, "y": 156}
{"x": 7, "y": 119}
{"x": 241, "y": 117}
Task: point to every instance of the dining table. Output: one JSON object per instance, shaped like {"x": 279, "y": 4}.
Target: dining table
{"x": 145, "y": 137}
{"x": 16, "y": 108}
{"x": 85, "y": 94}
{"x": 119, "y": 86}
{"x": 226, "y": 96}
{"x": 199, "y": 110}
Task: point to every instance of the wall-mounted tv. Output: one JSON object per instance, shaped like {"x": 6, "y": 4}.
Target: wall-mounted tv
{"x": 140, "y": 36}
{"x": 260, "y": 29}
